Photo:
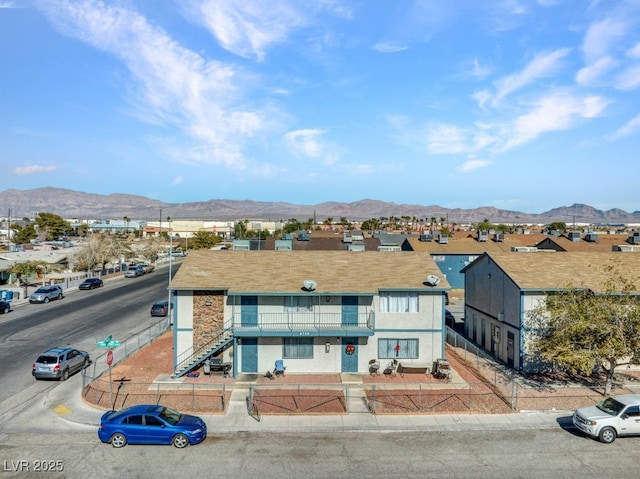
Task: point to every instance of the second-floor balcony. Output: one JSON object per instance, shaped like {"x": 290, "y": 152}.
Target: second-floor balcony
{"x": 304, "y": 324}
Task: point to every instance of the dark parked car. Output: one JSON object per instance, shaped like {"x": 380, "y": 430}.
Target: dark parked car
{"x": 60, "y": 363}
{"x": 450, "y": 319}
{"x": 161, "y": 308}
{"x": 5, "y": 306}
{"x": 151, "y": 424}
{"x": 91, "y": 283}
{"x": 44, "y": 294}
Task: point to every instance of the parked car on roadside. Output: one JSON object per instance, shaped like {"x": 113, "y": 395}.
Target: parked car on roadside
{"x": 59, "y": 363}
{"x": 91, "y": 283}
{"x": 151, "y": 424}
{"x": 44, "y": 294}
{"x": 134, "y": 271}
{"x": 612, "y": 417}
{"x": 160, "y": 308}
{"x": 5, "y": 306}
{"x": 449, "y": 318}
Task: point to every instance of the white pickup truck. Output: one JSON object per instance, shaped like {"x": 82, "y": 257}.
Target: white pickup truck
{"x": 612, "y": 417}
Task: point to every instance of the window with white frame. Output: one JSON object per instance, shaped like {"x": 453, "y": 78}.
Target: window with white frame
{"x": 297, "y": 348}
{"x": 298, "y": 304}
{"x": 398, "y": 302}
{"x": 398, "y": 348}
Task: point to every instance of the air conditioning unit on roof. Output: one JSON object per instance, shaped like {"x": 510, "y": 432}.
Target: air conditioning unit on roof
{"x": 309, "y": 285}
{"x": 433, "y": 280}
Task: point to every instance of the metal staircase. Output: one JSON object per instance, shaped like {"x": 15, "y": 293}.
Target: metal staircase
{"x": 190, "y": 359}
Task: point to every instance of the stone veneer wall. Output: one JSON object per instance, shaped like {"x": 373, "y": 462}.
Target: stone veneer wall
{"x": 207, "y": 318}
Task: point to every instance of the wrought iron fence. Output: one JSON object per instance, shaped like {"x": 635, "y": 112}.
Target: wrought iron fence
{"x": 120, "y": 393}
{"x": 521, "y": 392}
{"x": 99, "y": 364}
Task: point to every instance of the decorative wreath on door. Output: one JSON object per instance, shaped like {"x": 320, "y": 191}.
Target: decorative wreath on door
{"x": 350, "y": 349}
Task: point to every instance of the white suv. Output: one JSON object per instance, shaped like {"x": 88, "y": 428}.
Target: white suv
{"x": 44, "y": 294}
{"x": 612, "y": 417}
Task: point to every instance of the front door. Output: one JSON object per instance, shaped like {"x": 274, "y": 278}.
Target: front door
{"x": 249, "y": 348}
{"x": 349, "y": 310}
{"x": 349, "y": 355}
{"x": 249, "y": 311}
{"x": 510, "y": 348}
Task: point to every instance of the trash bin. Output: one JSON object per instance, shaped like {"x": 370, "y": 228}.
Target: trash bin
{"x": 207, "y": 366}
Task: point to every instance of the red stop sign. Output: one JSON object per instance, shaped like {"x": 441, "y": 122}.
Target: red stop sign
{"x": 109, "y": 358}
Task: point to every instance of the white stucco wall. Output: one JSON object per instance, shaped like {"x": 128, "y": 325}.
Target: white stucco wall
{"x": 183, "y": 324}
{"x": 425, "y": 326}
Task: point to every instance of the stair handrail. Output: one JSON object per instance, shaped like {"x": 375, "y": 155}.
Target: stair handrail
{"x": 186, "y": 357}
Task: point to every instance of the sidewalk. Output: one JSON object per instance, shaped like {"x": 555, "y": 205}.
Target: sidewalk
{"x": 65, "y": 403}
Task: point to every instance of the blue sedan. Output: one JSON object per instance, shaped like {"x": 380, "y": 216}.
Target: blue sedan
{"x": 151, "y": 424}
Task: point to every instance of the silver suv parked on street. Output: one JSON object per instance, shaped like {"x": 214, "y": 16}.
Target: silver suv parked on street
{"x": 134, "y": 271}
{"x": 44, "y": 294}
{"x": 59, "y": 363}
{"x": 612, "y": 417}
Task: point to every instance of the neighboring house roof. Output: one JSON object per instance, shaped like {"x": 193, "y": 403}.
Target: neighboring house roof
{"x": 555, "y": 271}
{"x": 605, "y": 243}
{"x": 470, "y": 244}
{"x": 335, "y": 272}
{"x": 53, "y": 257}
{"x": 334, "y": 243}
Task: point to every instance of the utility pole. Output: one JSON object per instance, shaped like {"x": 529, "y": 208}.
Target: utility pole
{"x": 9, "y": 231}
{"x": 169, "y": 305}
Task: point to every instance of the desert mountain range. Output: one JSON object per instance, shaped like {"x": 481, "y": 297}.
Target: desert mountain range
{"x": 76, "y": 204}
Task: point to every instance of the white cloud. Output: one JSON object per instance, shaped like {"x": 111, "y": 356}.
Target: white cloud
{"x": 602, "y": 36}
{"x": 629, "y": 128}
{"x": 174, "y": 86}
{"x": 309, "y": 143}
{"x": 628, "y": 79}
{"x": 34, "y": 169}
{"x": 248, "y": 28}
{"x": 178, "y": 180}
{"x": 482, "y": 97}
{"x": 445, "y": 139}
{"x": 555, "y": 112}
{"x": 543, "y": 65}
{"x": 388, "y": 47}
{"x": 449, "y": 139}
{"x": 471, "y": 165}
{"x": 479, "y": 71}
{"x": 634, "y": 52}
{"x": 588, "y": 75}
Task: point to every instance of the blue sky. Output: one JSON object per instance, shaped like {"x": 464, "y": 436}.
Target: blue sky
{"x": 518, "y": 104}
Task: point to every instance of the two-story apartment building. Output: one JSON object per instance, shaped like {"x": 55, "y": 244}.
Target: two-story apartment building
{"x": 502, "y": 288}
{"x": 319, "y": 311}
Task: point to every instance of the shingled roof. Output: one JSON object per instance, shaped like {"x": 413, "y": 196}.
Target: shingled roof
{"x": 605, "y": 243}
{"x": 549, "y": 271}
{"x": 470, "y": 244}
{"x": 283, "y": 272}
